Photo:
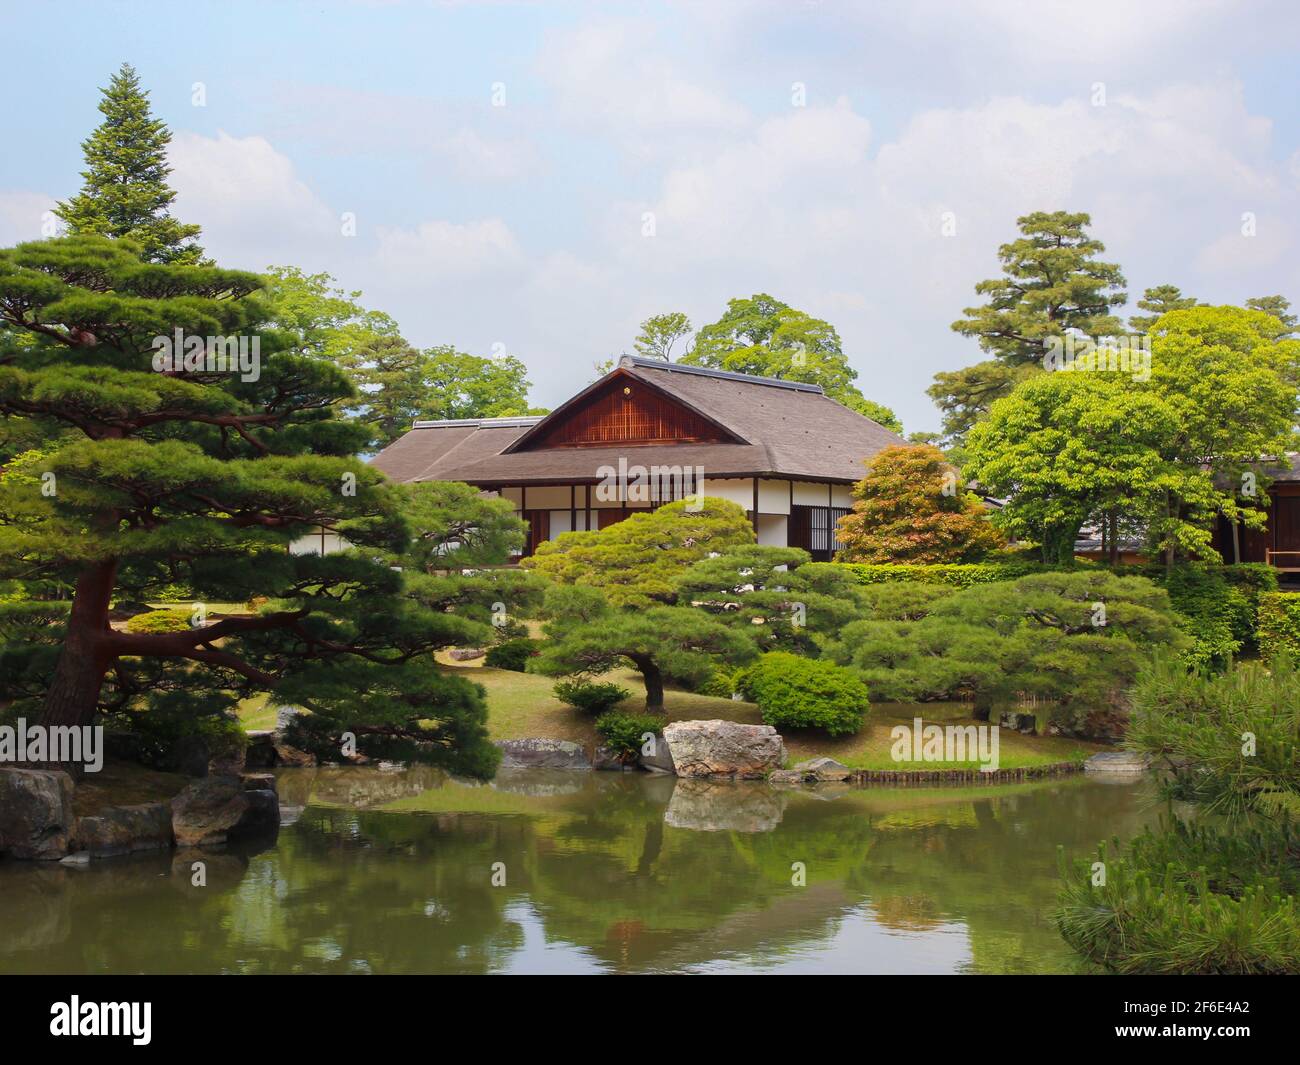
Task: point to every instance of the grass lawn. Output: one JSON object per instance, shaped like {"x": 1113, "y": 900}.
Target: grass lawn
{"x": 521, "y": 705}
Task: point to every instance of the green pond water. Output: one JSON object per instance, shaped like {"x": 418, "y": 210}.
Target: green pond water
{"x": 392, "y": 872}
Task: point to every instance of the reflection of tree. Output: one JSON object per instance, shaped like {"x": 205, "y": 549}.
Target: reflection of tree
{"x": 407, "y": 888}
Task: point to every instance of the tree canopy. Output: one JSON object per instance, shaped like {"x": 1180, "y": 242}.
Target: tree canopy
{"x": 637, "y": 561}
{"x": 192, "y": 477}
{"x": 1052, "y": 283}
{"x": 765, "y": 337}
{"x": 912, "y": 507}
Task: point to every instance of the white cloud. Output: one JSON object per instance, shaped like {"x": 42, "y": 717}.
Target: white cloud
{"x": 22, "y": 215}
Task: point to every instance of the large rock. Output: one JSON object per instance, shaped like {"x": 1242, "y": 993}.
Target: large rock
{"x": 1026, "y": 724}
{"x": 124, "y": 829}
{"x": 660, "y": 758}
{"x": 214, "y": 810}
{"x": 36, "y": 816}
{"x": 542, "y": 754}
{"x": 723, "y": 748}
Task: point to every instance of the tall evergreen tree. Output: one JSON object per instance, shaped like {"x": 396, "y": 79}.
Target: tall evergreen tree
{"x": 1052, "y": 283}
{"x": 126, "y": 192}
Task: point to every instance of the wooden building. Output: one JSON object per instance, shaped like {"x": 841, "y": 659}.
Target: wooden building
{"x": 1278, "y": 544}
{"x": 649, "y": 432}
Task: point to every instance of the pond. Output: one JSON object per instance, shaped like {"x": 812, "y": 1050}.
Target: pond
{"x": 393, "y": 872}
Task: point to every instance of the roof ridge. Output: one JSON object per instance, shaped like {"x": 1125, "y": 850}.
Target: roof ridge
{"x": 506, "y": 422}
{"x": 640, "y": 362}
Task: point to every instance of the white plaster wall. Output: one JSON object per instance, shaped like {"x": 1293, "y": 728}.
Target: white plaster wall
{"x": 773, "y": 530}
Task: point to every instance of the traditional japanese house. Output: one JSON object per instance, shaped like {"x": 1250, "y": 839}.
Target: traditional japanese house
{"x": 649, "y": 432}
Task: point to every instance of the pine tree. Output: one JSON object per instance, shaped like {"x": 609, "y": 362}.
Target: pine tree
{"x": 161, "y": 476}
{"x": 1052, "y": 284}
{"x": 1159, "y": 300}
{"x": 126, "y": 192}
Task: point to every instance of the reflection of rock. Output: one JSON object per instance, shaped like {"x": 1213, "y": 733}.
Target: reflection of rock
{"x": 723, "y": 748}
{"x": 542, "y": 754}
{"x": 540, "y": 783}
{"x": 660, "y": 758}
{"x": 357, "y": 787}
{"x": 724, "y": 806}
{"x": 35, "y": 813}
{"x": 124, "y": 829}
{"x": 212, "y": 810}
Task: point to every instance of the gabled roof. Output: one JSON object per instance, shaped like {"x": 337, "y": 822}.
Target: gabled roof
{"x": 782, "y": 428}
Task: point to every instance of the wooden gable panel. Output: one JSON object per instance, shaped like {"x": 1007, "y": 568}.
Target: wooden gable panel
{"x": 626, "y": 411}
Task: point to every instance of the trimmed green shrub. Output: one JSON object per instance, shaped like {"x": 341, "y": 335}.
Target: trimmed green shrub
{"x": 512, "y": 655}
{"x": 170, "y": 620}
{"x": 958, "y": 574}
{"x": 721, "y": 685}
{"x": 1279, "y": 625}
{"x": 623, "y": 732}
{"x": 590, "y": 697}
{"x": 794, "y": 692}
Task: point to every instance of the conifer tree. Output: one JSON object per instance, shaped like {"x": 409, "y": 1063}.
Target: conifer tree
{"x": 126, "y": 192}
{"x": 200, "y": 478}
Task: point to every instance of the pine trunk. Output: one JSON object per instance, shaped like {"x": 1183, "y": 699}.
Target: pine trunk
{"x": 85, "y": 658}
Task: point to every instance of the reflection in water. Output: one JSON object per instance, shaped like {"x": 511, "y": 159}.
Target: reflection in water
{"x": 391, "y": 871}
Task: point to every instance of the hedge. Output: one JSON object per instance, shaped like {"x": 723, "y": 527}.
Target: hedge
{"x": 1279, "y": 624}
{"x": 957, "y": 574}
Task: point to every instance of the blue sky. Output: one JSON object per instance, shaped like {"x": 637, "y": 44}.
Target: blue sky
{"x": 522, "y": 225}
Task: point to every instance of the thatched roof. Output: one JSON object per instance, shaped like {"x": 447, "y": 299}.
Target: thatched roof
{"x": 781, "y": 429}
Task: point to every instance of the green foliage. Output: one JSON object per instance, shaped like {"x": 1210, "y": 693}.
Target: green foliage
{"x": 1230, "y": 740}
{"x": 774, "y": 595}
{"x": 1165, "y": 453}
{"x": 512, "y": 654}
{"x": 589, "y": 636}
{"x": 959, "y": 575}
{"x": 638, "y": 561}
{"x": 1217, "y": 897}
{"x": 722, "y": 684}
{"x": 1052, "y": 283}
{"x": 456, "y": 526}
{"x": 1159, "y": 301}
{"x": 659, "y": 333}
{"x": 160, "y": 621}
{"x": 590, "y": 697}
{"x": 396, "y": 382}
{"x": 1158, "y": 913}
{"x": 766, "y": 337}
{"x": 796, "y": 693}
{"x": 1279, "y": 625}
{"x": 126, "y": 192}
{"x": 912, "y": 508}
{"x": 168, "y": 717}
{"x": 201, "y": 479}
{"x": 624, "y": 732}
{"x": 1040, "y": 636}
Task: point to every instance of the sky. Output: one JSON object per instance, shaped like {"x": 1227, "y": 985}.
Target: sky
{"x": 537, "y": 178}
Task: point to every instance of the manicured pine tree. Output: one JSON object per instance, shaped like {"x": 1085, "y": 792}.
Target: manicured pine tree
{"x": 126, "y": 192}
{"x": 159, "y": 476}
